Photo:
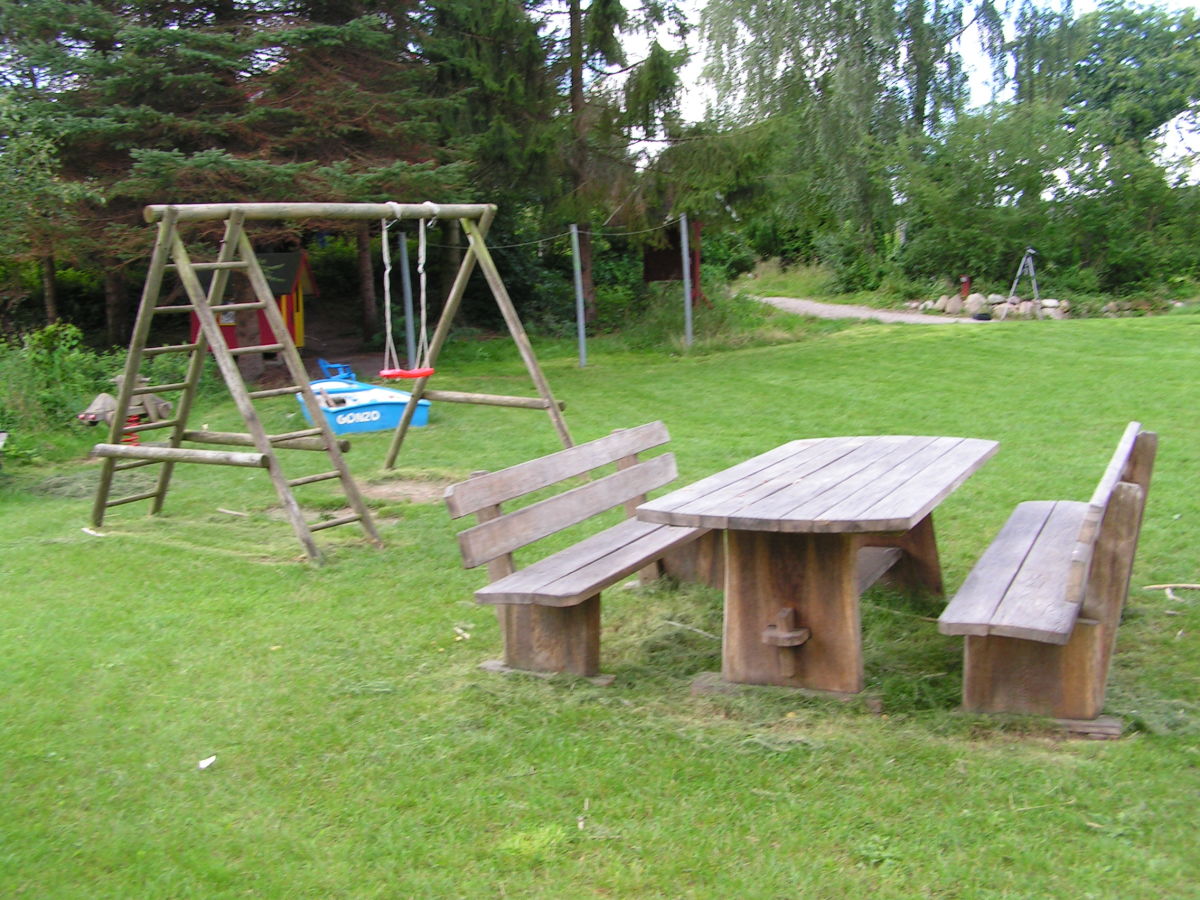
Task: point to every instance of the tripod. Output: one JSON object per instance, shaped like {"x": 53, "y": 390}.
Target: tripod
{"x": 1027, "y": 266}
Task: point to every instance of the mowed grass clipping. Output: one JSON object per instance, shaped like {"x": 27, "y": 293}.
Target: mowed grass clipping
{"x": 360, "y": 752}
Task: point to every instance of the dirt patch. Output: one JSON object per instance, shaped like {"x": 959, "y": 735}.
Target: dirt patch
{"x": 406, "y": 489}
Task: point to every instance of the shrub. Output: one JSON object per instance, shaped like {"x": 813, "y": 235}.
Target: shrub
{"x": 50, "y": 375}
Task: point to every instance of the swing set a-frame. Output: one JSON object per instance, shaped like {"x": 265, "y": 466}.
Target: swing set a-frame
{"x": 237, "y": 258}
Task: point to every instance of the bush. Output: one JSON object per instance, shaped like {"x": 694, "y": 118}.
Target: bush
{"x": 729, "y": 251}
{"x": 49, "y": 376}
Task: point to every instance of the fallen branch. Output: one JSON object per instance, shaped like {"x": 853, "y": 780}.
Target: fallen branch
{"x": 691, "y": 628}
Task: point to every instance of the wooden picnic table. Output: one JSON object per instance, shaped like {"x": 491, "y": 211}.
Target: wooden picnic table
{"x": 807, "y": 527}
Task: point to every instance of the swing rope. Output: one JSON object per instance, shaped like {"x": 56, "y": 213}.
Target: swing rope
{"x": 391, "y": 359}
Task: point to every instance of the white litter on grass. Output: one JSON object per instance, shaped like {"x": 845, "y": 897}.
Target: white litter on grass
{"x": 206, "y": 762}
{"x": 93, "y": 533}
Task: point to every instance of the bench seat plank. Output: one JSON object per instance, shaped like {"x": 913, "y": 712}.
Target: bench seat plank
{"x": 1040, "y": 604}
{"x": 576, "y": 573}
{"x": 1019, "y": 586}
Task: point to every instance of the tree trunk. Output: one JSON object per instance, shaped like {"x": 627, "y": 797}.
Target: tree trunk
{"x": 115, "y": 325}
{"x": 49, "y": 288}
{"x": 366, "y": 282}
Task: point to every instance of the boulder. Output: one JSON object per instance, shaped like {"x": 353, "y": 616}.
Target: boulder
{"x": 1050, "y": 303}
{"x": 975, "y": 303}
{"x": 996, "y": 298}
{"x": 954, "y": 305}
{"x": 940, "y": 303}
{"x": 1025, "y": 309}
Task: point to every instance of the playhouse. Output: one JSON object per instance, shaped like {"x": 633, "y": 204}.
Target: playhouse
{"x": 290, "y": 279}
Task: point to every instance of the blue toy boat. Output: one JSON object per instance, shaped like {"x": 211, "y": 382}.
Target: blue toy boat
{"x": 352, "y": 406}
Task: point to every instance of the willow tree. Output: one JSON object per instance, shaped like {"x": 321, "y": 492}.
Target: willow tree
{"x": 841, "y": 85}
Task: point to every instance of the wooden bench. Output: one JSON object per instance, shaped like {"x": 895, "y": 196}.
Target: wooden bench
{"x": 1040, "y": 609}
{"x": 550, "y": 611}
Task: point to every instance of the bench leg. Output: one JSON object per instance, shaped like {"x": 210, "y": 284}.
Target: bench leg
{"x": 1012, "y": 675}
{"x": 552, "y": 638}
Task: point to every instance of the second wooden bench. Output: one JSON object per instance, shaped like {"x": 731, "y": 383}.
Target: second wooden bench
{"x": 1040, "y": 609}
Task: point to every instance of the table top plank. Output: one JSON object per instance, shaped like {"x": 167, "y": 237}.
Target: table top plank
{"x": 746, "y": 482}
{"x": 807, "y": 494}
{"x": 917, "y": 485}
{"x": 705, "y": 487}
{"x": 894, "y": 473}
{"x": 848, "y": 484}
{"x": 810, "y": 462}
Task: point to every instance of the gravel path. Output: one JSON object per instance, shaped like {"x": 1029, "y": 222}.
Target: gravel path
{"x": 841, "y": 311}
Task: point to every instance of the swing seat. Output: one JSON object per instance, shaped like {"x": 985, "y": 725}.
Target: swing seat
{"x": 405, "y": 373}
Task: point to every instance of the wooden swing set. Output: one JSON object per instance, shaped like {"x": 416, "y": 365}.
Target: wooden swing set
{"x": 476, "y": 220}
{"x": 237, "y": 257}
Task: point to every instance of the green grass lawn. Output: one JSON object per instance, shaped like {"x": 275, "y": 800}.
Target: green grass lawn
{"x": 360, "y": 752}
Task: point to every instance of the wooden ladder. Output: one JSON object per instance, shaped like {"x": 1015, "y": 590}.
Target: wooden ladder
{"x": 236, "y": 256}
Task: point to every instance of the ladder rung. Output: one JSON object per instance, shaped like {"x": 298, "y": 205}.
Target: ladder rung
{"x": 121, "y": 467}
{"x": 150, "y": 426}
{"x": 235, "y": 307}
{"x": 174, "y": 309}
{"x": 273, "y": 392}
{"x": 174, "y": 348}
{"x": 259, "y": 348}
{"x": 491, "y": 399}
{"x": 210, "y": 266}
{"x": 313, "y": 479}
{"x": 293, "y": 435}
{"x": 245, "y": 440}
{"x": 132, "y": 498}
{"x": 156, "y": 388}
{"x": 333, "y": 523}
{"x": 182, "y": 454}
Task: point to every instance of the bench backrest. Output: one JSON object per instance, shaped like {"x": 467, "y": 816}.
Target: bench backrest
{"x": 1113, "y": 520}
{"x": 499, "y": 534}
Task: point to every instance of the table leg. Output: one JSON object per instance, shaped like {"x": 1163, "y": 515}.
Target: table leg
{"x": 813, "y": 574}
{"x": 919, "y": 570}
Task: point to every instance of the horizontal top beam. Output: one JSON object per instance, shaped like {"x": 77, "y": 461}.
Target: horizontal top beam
{"x": 202, "y": 212}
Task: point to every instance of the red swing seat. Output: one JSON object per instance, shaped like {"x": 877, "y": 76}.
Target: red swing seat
{"x": 406, "y": 373}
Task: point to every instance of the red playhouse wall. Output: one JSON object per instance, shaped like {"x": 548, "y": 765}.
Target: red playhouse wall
{"x": 290, "y": 277}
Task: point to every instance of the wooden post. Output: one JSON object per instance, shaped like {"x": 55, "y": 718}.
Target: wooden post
{"x": 580, "y": 311}
{"x": 516, "y": 329}
{"x": 687, "y": 280}
{"x": 133, "y": 362}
